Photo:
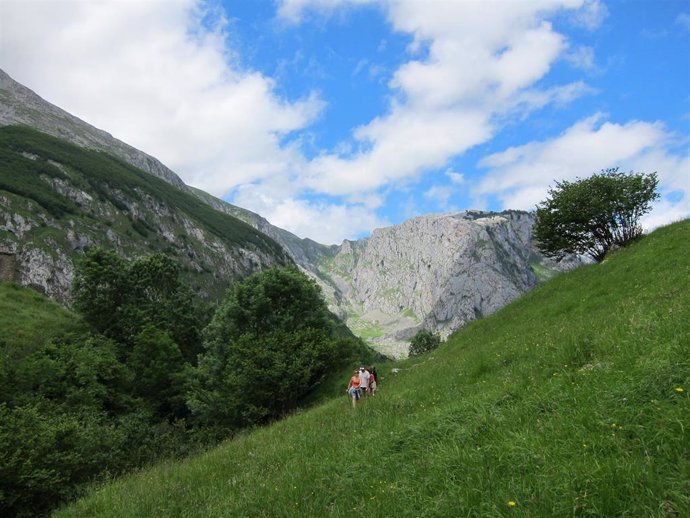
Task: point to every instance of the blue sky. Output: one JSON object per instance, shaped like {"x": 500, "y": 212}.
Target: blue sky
{"x": 334, "y": 117}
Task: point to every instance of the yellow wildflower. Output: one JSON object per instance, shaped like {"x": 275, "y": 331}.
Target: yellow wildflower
{"x": 512, "y": 503}
{"x": 680, "y": 390}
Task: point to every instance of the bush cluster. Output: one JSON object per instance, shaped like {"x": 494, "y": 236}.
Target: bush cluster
{"x": 159, "y": 372}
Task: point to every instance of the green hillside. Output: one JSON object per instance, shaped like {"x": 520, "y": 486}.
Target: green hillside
{"x": 68, "y": 198}
{"x": 572, "y": 401}
{"x": 27, "y": 317}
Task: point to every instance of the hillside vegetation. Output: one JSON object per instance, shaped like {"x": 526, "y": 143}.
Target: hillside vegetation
{"x": 134, "y": 374}
{"x": 572, "y": 401}
{"x": 58, "y": 199}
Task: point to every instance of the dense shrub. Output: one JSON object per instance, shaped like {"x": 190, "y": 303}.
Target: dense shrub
{"x": 423, "y": 342}
{"x": 270, "y": 343}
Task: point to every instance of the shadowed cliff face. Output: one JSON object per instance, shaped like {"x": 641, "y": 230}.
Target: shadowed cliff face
{"x": 57, "y": 199}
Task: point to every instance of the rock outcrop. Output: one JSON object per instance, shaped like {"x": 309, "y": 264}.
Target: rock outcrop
{"x": 435, "y": 272}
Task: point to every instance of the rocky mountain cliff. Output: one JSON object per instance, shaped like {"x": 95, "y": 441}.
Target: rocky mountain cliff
{"x": 435, "y": 272}
{"x": 57, "y": 199}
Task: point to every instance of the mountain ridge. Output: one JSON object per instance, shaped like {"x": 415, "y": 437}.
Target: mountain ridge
{"x": 457, "y": 283}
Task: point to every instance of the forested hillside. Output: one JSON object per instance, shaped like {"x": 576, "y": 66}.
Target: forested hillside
{"x": 143, "y": 369}
{"x": 57, "y": 199}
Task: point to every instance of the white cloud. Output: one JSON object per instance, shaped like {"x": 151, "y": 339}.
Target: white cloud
{"x": 477, "y": 70}
{"x": 327, "y": 223}
{"x": 591, "y": 15}
{"x": 441, "y": 194}
{"x": 293, "y": 10}
{"x": 402, "y": 146}
{"x": 455, "y": 178}
{"x": 683, "y": 19}
{"x": 154, "y": 75}
{"x": 520, "y": 176}
{"x": 582, "y": 57}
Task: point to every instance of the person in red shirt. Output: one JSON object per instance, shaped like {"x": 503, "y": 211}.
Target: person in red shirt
{"x": 353, "y": 388}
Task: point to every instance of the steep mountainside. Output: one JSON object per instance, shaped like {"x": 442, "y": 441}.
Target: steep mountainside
{"x": 19, "y": 105}
{"x": 57, "y": 199}
{"x": 436, "y": 272}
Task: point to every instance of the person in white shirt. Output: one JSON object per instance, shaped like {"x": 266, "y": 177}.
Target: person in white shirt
{"x": 364, "y": 377}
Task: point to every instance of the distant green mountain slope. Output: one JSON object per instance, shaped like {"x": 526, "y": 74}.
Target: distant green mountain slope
{"x": 57, "y": 199}
{"x": 572, "y": 401}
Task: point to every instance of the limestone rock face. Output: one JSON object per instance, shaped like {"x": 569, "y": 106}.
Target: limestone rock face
{"x": 435, "y": 272}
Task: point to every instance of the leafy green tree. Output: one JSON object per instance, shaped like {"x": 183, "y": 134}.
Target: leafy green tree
{"x": 74, "y": 371}
{"x": 595, "y": 215}
{"x": 100, "y": 288}
{"x": 121, "y": 298}
{"x": 46, "y": 453}
{"x": 423, "y": 342}
{"x": 269, "y": 343}
{"x": 158, "y": 367}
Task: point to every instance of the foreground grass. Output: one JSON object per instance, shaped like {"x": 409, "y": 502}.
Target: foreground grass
{"x": 573, "y": 401}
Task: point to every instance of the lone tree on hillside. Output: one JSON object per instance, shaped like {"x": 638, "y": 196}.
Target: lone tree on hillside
{"x": 423, "y": 342}
{"x": 594, "y": 215}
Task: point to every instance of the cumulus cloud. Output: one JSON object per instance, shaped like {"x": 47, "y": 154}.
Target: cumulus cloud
{"x": 327, "y": 222}
{"x": 158, "y": 75}
{"x": 293, "y": 10}
{"x": 582, "y": 57}
{"x": 475, "y": 70}
{"x": 520, "y": 176}
{"x": 455, "y": 177}
{"x": 441, "y": 194}
{"x": 591, "y": 14}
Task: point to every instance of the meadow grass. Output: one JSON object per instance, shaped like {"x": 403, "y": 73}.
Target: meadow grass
{"x": 572, "y": 401}
{"x": 28, "y": 319}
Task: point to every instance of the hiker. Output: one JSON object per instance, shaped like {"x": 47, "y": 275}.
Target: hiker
{"x": 353, "y": 388}
{"x": 373, "y": 381}
{"x": 365, "y": 377}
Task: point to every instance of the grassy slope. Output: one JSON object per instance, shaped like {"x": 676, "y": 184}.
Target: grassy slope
{"x": 565, "y": 402}
{"x": 28, "y": 318}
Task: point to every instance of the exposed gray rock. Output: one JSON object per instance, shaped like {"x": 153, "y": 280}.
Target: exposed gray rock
{"x": 50, "y": 273}
{"x": 436, "y": 272}
{"x": 20, "y": 105}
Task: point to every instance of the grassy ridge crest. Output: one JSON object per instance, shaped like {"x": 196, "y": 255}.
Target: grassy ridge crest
{"x": 572, "y": 401}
